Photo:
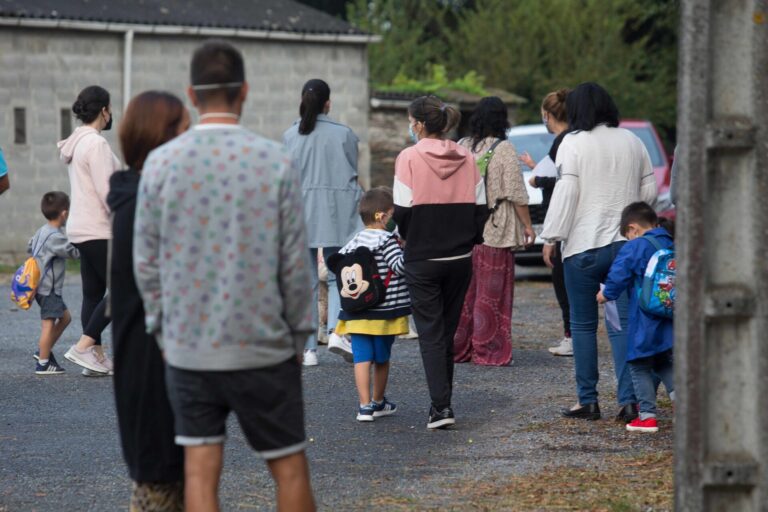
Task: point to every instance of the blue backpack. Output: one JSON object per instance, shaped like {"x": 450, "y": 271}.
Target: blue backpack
{"x": 656, "y": 295}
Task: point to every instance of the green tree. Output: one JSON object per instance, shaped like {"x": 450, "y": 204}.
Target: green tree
{"x": 532, "y": 47}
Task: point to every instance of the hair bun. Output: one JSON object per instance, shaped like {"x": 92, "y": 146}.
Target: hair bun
{"x": 78, "y": 107}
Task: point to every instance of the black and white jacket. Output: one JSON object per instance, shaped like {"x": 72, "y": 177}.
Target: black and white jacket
{"x": 389, "y": 257}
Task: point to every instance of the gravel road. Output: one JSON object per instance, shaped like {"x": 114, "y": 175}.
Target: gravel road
{"x": 59, "y": 448}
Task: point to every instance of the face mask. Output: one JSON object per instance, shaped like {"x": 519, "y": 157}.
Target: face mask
{"x": 108, "y": 126}
{"x": 391, "y": 225}
{"x": 412, "y": 134}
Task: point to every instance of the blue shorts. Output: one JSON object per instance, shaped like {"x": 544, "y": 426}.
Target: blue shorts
{"x": 369, "y": 348}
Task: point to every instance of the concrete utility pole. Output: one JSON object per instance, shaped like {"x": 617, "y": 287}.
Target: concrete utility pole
{"x": 721, "y": 323}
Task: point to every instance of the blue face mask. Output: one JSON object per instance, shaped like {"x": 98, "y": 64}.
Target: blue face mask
{"x": 413, "y": 135}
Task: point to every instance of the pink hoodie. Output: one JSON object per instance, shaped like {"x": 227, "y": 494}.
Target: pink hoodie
{"x": 90, "y": 163}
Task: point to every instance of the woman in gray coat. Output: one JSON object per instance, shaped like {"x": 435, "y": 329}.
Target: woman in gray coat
{"x": 325, "y": 152}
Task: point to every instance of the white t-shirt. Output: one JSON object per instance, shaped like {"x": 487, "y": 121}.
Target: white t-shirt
{"x": 601, "y": 172}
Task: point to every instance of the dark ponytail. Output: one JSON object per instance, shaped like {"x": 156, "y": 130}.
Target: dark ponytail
{"x": 314, "y": 95}
{"x": 89, "y": 103}
{"x": 436, "y": 115}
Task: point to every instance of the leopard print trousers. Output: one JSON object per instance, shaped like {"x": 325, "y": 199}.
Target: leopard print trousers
{"x": 150, "y": 497}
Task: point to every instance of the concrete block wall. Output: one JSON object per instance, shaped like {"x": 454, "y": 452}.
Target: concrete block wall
{"x": 45, "y": 69}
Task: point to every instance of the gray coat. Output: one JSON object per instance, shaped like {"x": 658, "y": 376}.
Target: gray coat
{"x": 51, "y": 247}
{"x": 327, "y": 162}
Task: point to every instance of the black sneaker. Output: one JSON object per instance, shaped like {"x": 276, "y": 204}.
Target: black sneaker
{"x": 440, "y": 419}
{"x": 49, "y": 368}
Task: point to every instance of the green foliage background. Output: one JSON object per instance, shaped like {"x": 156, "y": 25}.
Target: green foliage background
{"x": 531, "y": 47}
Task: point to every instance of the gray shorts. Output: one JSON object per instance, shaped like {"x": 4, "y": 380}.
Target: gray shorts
{"x": 51, "y": 306}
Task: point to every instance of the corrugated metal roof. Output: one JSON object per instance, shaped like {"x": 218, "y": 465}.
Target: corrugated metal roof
{"x": 269, "y": 15}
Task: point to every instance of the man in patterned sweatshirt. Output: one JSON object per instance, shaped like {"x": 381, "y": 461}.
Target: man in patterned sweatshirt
{"x": 220, "y": 258}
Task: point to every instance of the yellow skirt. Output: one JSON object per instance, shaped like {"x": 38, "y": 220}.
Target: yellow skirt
{"x": 392, "y": 327}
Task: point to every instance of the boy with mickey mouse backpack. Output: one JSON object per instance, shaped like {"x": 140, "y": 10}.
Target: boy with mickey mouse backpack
{"x": 42, "y": 278}
{"x": 374, "y": 299}
{"x": 646, "y": 264}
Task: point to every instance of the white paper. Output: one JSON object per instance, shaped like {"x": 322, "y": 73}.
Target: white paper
{"x": 611, "y": 313}
{"x": 545, "y": 169}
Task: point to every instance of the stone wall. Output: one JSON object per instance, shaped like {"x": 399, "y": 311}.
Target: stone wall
{"x": 43, "y": 70}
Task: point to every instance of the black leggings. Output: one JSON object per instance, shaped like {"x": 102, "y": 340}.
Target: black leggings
{"x": 558, "y": 281}
{"x": 93, "y": 271}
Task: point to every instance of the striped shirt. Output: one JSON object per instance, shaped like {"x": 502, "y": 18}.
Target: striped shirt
{"x": 389, "y": 258}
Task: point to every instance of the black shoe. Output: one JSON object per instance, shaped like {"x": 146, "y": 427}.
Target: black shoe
{"x": 585, "y": 412}
{"x": 440, "y": 419}
{"x": 627, "y": 413}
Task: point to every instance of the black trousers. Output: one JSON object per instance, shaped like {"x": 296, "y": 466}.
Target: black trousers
{"x": 558, "y": 282}
{"x": 437, "y": 290}
{"x": 93, "y": 271}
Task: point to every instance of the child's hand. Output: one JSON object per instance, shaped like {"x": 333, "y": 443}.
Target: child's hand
{"x": 601, "y": 298}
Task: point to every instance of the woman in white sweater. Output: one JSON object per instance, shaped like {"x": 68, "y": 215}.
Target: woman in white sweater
{"x": 602, "y": 168}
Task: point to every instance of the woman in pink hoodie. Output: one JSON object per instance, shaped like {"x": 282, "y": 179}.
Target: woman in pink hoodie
{"x": 440, "y": 210}
{"x": 90, "y": 162}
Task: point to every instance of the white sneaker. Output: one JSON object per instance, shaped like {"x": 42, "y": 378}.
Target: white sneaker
{"x": 89, "y": 359}
{"x": 340, "y": 346}
{"x": 90, "y": 373}
{"x": 310, "y": 358}
{"x": 565, "y": 348}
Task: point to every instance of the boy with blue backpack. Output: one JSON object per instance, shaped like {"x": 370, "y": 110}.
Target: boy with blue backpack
{"x": 646, "y": 264}
{"x": 43, "y": 279}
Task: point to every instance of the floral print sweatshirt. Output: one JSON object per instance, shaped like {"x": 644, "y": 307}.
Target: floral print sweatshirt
{"x": 220, "y": 251}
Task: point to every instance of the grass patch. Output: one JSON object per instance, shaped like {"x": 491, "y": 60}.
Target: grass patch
{"x": 642, "y": 483}
{"x": 73, "y": 267}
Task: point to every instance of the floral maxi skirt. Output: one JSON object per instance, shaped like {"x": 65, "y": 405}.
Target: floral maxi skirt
{"x": 484, "y": 335}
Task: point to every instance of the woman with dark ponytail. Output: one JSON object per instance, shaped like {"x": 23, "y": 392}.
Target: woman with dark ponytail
{"x": 90, "y": 162}
{"x": 440, "y": 210}
{"x": 325, "y": 152}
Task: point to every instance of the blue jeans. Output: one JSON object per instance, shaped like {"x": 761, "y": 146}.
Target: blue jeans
{"x": 334, "y": 301}
{"x": 583, "y": 274}
{"x": 645, "y": 372}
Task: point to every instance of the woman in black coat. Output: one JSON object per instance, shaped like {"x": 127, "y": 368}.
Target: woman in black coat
{"x": 155, "y": 462}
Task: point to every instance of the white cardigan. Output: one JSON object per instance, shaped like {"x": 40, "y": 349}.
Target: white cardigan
{"x": 601, "y": 172}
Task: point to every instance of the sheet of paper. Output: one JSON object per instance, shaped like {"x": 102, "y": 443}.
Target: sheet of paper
{"x": 546, "y": 168}
{"x": 611, "y": 313}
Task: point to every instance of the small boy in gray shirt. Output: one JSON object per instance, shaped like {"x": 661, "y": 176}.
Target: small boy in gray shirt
{"x": 51, "y": 247}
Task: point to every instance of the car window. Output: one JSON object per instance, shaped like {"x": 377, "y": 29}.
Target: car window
{"x": 646, "y": 135}
{"x": 536, "y": 144}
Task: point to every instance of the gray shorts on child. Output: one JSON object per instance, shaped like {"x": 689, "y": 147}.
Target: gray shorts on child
{"x": 51, "y": 306}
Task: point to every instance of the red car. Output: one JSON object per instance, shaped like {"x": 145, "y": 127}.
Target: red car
{"x": 662, "y": 163}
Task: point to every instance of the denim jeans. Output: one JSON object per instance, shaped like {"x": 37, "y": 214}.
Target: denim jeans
{"x": 644, "y": 374}
{"x": 583, "y": 274}
{"x": 334, "y": 301}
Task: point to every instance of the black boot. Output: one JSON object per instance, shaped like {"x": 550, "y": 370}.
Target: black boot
{"x": 627, "y": 413}
{"x": 585, "y": 412}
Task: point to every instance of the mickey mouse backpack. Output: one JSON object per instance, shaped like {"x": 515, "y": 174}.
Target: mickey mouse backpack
{"x": 657, "y": 294}
{"x": 360, "y": 285}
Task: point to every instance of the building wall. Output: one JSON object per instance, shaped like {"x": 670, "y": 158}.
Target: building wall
{"x": 43, "y": 71}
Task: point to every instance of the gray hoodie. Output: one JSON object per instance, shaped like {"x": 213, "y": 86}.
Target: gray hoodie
{"x": 50, "y": 247}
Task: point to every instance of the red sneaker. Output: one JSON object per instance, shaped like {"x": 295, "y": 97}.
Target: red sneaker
{"x": 638, "y": 425}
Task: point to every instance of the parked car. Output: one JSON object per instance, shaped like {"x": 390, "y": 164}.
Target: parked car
{"x": 536, "y": 141}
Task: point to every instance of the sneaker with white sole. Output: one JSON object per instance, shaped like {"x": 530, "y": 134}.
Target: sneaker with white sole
{"x": 49, "y": 368}
{"x": 340, "y": 346}
{"x": 565, "y": 348}
{"x": 383, "y": 408}
{"x": 88, "y": 358}
{"x": 440, "y": 419}
{"x": 90, "y": 373}
{"x": 310, "y": 358}
{"x": 366, "y": 412}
